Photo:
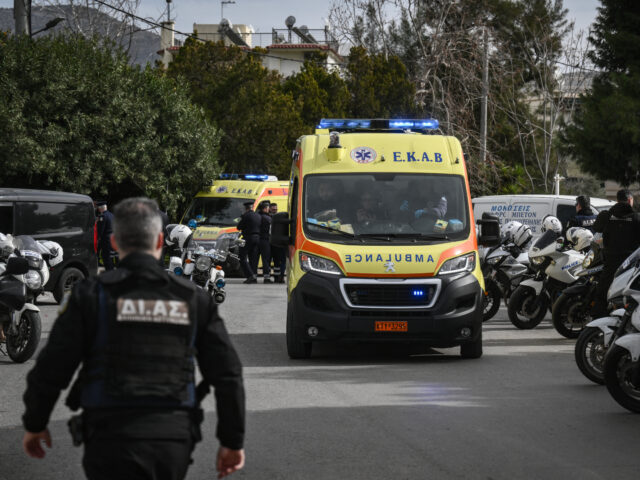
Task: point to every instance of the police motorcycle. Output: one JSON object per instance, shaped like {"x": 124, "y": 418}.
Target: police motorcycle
{"x": 571, "y": 311}
{"x": 622, "y": 359}
{"x": 201, "y": 266}
{"x": 504, "y": 266}
{"x": 598, "y": 335}
{"x": 24, "y": 270}
{"x": 556, "y": 265}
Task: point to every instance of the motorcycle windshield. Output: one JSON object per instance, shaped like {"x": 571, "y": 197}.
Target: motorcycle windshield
{"x": 630, "y": 261}
{"x": 546, "y": 239}
{"x": 30, "y": 249}
{"x": 26, "y": 243}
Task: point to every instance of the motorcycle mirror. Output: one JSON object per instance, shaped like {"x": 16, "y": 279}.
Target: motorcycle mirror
{"x": 17, "y": 266}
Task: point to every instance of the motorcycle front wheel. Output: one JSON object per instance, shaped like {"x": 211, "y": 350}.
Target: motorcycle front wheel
{"x": 22, "y": 345}
{"x": 590, "y": 352}
{"x": 526, "y": 309}
{"x": 570, "y": 314}
{"x": 490, "y": 300}
{"x": 621, "y": 378}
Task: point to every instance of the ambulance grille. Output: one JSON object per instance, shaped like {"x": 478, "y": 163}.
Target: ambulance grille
{"x": 390, "y": 295}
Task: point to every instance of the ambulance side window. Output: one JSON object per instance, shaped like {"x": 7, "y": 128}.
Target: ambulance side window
{"x": 294, "y": 210}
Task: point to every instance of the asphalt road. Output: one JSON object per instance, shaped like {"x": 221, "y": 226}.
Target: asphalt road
{"x": 522, "y": 411}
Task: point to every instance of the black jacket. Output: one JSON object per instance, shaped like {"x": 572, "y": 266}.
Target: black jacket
{"x": 105, "y": 226}
{"x": 249, "y": 224}
{"x": 585, "y": 218}
{"x": 265, "y": 226}
{"x": 620, "y": 228}
{"x": 72, "y": 336}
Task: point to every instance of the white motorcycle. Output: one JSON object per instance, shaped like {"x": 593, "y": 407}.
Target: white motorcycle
{"x": 622, "y": 360}
{"x": 598, "y": 335}
{"x": 556, "y": 266}
{"x": 24, "y": 270}
{"x": 202, "y": 266}
{"x": 504, "y": 267}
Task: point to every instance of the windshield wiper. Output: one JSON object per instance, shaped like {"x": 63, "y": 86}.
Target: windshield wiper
{"x": 331, "y": 229}
{"x": 216, "y": 224}
{"x": 418, "y": 236}
{"x": 377, "y": 236}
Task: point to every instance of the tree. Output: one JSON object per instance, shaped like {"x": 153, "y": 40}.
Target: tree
{"x": 605, "y": 136}
{"x": 318, "y": 92}
{"x": 245, "y": 100}
{"x": 379, "y": 85}
{"x": 77, "y": 117}
{"x": 442, "y": 46}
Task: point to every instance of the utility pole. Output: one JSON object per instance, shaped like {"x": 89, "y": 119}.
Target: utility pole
{"x": 22, "y": 16}
{"x": 485, "y": 95}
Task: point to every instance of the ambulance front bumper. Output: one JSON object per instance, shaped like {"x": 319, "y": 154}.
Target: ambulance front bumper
{"x": 323, "y": 309}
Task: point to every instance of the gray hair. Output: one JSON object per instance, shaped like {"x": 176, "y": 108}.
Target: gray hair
{"x": 136, "y": 224}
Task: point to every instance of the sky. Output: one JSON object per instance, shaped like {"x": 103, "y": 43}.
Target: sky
{"x": 266, "y": 14}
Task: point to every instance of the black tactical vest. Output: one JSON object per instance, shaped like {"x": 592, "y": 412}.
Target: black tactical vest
{"x": 143, "y": 354}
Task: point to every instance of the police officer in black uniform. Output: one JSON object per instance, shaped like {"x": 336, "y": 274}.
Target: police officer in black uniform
{"x": 265, "y": 240}
{"x": 138, "y": 332}
{"x": 105, "y": 229}
{"x": 249, "y": 225}
{"x": 584, "y": 217}
{"x": 620, "y": 228}
{"x": 279, "y": 254}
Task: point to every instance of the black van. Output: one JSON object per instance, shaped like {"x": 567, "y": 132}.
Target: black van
{"x": 65, "y": 218}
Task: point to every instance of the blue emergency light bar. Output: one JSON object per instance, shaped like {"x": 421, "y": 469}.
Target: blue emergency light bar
{"x": 246, "y": 176}
{"x": 380, "y": 123}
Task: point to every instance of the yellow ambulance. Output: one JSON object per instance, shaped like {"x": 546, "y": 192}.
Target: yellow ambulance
{"x": 381, "y": 237}
{"x": 215, "y": 211}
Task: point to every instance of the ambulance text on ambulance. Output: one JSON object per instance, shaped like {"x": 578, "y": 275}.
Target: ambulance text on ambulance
{"x": 396, "y": 257}
{"x": 417, "y": 157}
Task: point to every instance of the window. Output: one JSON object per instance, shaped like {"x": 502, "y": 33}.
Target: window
{"x": 218, "y": 211}
{"x": 6, "y": 219}
{"x": 385, "y": 207}
{"x": 35, "y": 218}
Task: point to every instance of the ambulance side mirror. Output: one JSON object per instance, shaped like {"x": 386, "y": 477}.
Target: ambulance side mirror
{"x": 489, "y": 230}
{"x": 280, "y": 225}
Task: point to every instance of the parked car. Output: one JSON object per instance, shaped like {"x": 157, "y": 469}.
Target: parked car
{"x": 66, "y": 218}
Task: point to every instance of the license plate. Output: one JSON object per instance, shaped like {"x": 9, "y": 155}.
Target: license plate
{"x": 391, "y": 326}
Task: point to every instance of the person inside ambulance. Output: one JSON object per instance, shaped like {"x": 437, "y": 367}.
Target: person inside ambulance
{"x": 426, "y": 202}
{"x": 321, "y": 205}
{"x": 367, "y": 211}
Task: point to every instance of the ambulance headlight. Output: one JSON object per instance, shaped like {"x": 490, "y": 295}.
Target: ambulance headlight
{"x": 463, "y": 263}
{"x": 311, "y": 263}
{"x": 203, "y": 263}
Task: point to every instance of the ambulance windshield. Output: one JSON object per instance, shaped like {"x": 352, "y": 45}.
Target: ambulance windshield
{"x": 218, "y": 211}
{"x": 387, "y": 207}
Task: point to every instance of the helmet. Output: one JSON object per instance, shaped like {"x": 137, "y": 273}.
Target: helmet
{"x": 179, "y": 235}
{"x": 6, "y": 245}
{"x": 579, "y": 237}
{"x": 509, "y": 228}
{"x": 522, "y": 235}
{"x": 551, "y": 223}
{"x": 53, "y": 250}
